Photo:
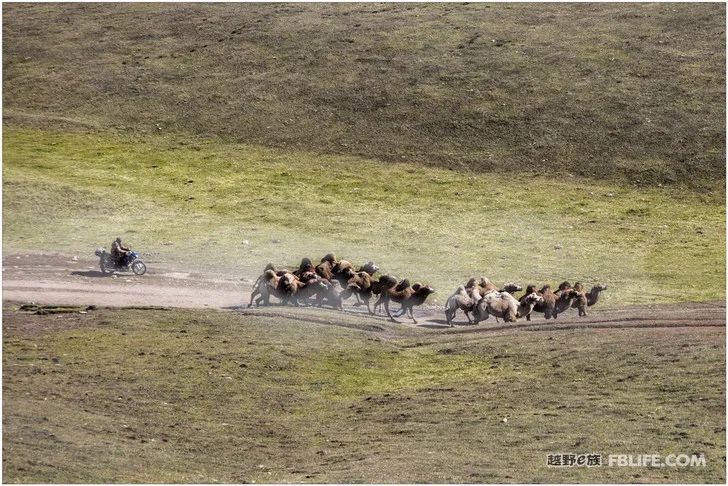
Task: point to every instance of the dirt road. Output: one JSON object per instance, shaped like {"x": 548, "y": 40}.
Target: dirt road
{"x": 63, "y": 279}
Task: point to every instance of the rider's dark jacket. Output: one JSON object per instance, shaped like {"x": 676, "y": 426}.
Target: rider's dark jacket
{"x": 118, "y": 250}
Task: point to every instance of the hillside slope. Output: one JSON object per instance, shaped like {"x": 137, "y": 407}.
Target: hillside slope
{"x": 622, "y": 92}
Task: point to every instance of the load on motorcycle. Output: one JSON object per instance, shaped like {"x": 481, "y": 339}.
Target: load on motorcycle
{"x": 121, "y": 258}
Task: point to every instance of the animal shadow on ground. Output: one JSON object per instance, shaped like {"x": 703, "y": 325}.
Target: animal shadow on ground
{"x": 440, "y": 323}
{"x": 91, "y": 273}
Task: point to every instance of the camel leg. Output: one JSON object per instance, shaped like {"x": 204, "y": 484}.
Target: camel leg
{"x": 482, "y": 317}
{"x": 358, "y": 301}
{"x": 251, "y": 299}
{"x": 369, "y": 309}
{"x": 386, "y": 308}
{"x": 401, "y": 312}
{"x": 345, "y": 294}
{"x": 470, "y": 321}
{"x": 378, "y": 303}
{"x": 411, "y": 314}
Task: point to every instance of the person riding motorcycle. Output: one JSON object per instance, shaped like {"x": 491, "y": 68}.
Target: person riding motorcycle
{"x": 119, "y": 251}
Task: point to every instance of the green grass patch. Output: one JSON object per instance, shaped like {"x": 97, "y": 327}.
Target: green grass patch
{"x": 195, "y": 202}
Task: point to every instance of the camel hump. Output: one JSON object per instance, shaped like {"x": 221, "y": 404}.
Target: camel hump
{"x": 330, "y": 257}
{"x": 387, "y": 281}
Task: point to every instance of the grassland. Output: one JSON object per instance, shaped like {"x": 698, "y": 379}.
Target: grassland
{"x": 528, "y": 143}
{"x": 623, "y": 92}
{"x": 195, "y": 202}
{"x": 200, "y": 396}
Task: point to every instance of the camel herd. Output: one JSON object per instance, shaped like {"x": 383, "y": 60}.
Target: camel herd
{"x": 333, "y": 281}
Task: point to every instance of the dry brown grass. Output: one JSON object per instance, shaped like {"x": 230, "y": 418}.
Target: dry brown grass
{"x": 201, "y": 396}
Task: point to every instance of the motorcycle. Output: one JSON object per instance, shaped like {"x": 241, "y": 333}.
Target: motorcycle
{"x": 130, "y": 261}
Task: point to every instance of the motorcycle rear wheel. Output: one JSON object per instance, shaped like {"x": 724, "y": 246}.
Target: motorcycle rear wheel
{"x": 103, "y": 266}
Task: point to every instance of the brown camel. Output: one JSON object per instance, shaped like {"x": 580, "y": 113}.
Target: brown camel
{"x": 586, "y": 299}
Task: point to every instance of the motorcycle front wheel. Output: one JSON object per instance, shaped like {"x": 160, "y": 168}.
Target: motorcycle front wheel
{"x": 138, "y": 267}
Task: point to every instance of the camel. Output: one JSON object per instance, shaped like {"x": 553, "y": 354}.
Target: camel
{"x": 462, "y": 300}
{"x": 306, "y": 266}
{"x": 548, "y": 304}
{"x": 564, "y": 300}
{"x": 339, "y": 270}
{"x": 288, "y": 286}
{"x": 392, "y": 290}
{"x": 322, "y": 289}
{"x": 405, "y": 294}
{"x": 382, "y": 284}
{"x": 359, "y": 284}
{"x": 586, "y": 299}
{"x": 325, "y": 269}
{"x": 421, "y": 292}
{"x": 505, "y": 306}
{"x": 467, "y": 296}
{"x": 332, "y": 295}
{"x": 266, "y": 285}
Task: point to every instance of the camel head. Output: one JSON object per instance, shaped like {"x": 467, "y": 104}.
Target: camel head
{"x": 511, "y": 287}
{"x": 370, "y": 267}
{"x": 348, "y": 272}
{"x": 319, "y": 284}
{"x": 599, "y": 287}
{"x": 289, "y": 283}
{"x": 533, "y": 299}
